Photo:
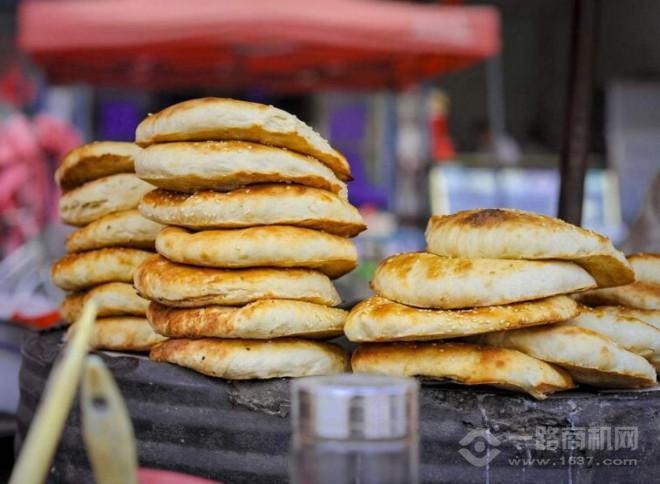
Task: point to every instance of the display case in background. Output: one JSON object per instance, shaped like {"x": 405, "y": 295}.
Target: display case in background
{"x": 457, "y": 187}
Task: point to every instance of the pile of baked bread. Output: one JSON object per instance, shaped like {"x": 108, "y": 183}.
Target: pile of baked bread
{"x": 246, "y": 208}
{"x": 505, "y": 283}
{"x": 629, "y": 314}
{"x": 100, "y": 197}
{"x": 257, "y": 225}
{"x": 639, "y": 298}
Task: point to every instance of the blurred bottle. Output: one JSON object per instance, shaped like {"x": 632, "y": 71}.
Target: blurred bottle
{"x": 441, "y": 144}
{"x": 411, "y": 202}
{"x": 354, "y": 429}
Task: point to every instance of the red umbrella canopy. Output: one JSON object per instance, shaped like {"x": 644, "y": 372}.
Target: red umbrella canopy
{"x": 281, "y": 45}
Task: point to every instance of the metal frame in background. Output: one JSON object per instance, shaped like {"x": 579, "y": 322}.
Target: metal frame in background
{"x": 576, "y": 136}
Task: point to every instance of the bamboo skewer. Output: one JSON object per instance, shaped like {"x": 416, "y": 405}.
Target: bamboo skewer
{"x": 44, "y": 434}
{"x": 106, "y": 426}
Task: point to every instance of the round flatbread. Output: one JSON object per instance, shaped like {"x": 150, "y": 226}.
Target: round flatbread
{"x": 378, "y": 319}
{"x": 186, "y": 286}
{"x": 263, "y": 319}
{"x": 227, "y": 165}
{"x": 230, "y": 119}
{"x": 649, "y": 316}
{"x": 430, "y": 281}
{"x": 100, "y": 197}
{"x": 121, "y": 229}
{"x": 646, "y": 267}
{"x": 112, "y": 299}
{"x": 641, "y": 295}
{"x": 241, "y": 359}
{"x": 515, "y": 234}
{"x": 122, "y": 334}
{"x": 589, "y": 357}
{"x": 266, "y": 246}
{"x": 95, "y": 160}
{"x": 75, "y": 272}
{"x": 462, "y": 363}
{"x": 257, "y": 205}
{"x": 628, "y": 332}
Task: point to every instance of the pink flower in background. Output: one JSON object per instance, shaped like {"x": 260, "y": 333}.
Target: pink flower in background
{"x": 55, "y": 136}
{"x": 29, "y": 152}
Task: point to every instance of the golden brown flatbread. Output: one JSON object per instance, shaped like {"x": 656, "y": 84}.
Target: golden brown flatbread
{"x": 226, "y": 165}
{"x": 102, "y": 196}
{"x": 240, "y": 359}
{"x": 628, "y": 332}
{"x": 255, "y": 205}
{"x": 649, "y": 316}
{"x": 262, "y": 319}
{"x": 588, "y": 356}
{"x": 646, "y": 267}
{"x": 119, "y": 229}
{"x": 95, "y": 160}
{"x": 112, "y": 299}
{"x": 430, "y": 281}
{"x": 266, "y": 246}
{"x": 463, "y": 363}
{"x": 180, "y": 285}
{"x": 81, "y": 270}
{"x": 503, "y": 233}
{"x": 230, "y": 119}
{"x": 641, "y": 295}
{"x": 123, "y": 333}
{"x": 378, "y": 319}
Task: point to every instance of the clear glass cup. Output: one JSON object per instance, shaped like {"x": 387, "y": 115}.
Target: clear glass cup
{"x": 354, "y": 428}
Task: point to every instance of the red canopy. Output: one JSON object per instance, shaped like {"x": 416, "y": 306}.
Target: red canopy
{"x": 282, "y": 45}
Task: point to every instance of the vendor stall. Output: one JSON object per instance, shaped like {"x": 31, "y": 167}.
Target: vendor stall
{"x": 288, "y": 45}
{"x": 208, "y": 246}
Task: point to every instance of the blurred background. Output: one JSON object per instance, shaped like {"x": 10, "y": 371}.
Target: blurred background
{"x": 439, "y": 106}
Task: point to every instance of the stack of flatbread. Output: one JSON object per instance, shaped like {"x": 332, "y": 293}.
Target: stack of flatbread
{"x": 258, "y": 224}
{"x": 642, "y": 295}
{"x": 100, "y": 197}
{"x": 628, "y": 314}
{"x": 500, "y": 279}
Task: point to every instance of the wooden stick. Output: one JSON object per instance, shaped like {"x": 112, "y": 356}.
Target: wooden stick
{"x": 44, "y": 434}
{"x": 106, "y": 426}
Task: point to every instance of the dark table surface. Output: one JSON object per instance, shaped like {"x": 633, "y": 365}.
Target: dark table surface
{"x": 239, "y": 431}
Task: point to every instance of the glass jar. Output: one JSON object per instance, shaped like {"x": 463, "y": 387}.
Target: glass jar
{"x": 354, "y": 428}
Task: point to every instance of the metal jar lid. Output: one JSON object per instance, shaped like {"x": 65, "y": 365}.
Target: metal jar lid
{"x": 354, "y": 407}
